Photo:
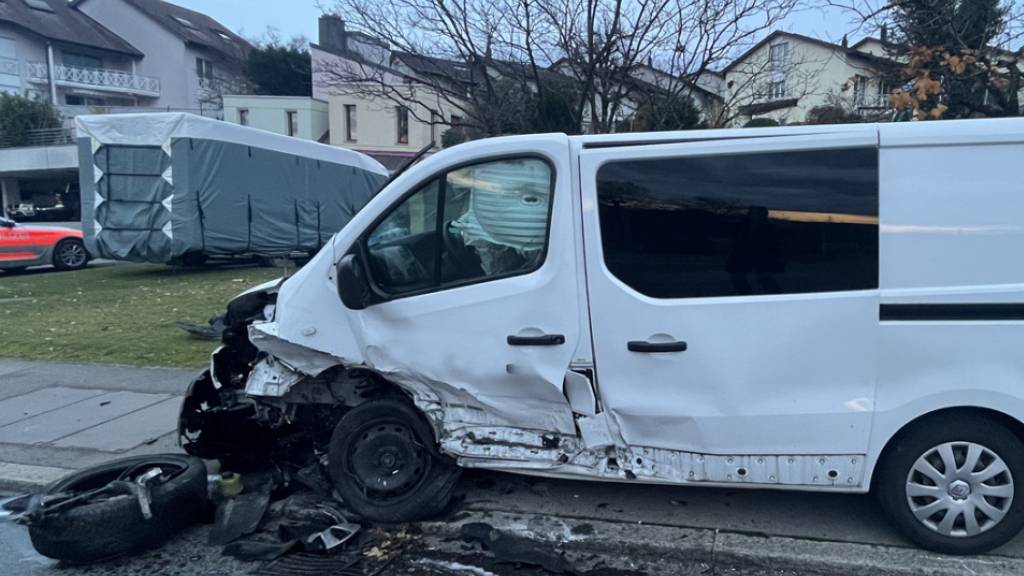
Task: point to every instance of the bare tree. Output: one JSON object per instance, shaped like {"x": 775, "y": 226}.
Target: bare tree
{"x": 493, "y": 62}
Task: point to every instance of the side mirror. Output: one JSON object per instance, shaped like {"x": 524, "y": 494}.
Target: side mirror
{"x": 353, "y": 285}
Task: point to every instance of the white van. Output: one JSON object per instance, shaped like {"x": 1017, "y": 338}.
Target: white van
{"x": 825, "y": 308}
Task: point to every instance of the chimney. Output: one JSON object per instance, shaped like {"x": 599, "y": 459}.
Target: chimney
{"x": 332, "y": 32}
{"x": 885, "y": 34}
{"x": 846, "y": 41}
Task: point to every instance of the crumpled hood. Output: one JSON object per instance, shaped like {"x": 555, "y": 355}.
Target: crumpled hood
{"x": 268, "y": 287}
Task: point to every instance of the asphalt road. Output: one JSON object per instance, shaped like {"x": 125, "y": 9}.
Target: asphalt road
{"x": 853, "y": 519}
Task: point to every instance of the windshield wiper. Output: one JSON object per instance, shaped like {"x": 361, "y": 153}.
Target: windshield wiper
{"x": 416, "y": 158}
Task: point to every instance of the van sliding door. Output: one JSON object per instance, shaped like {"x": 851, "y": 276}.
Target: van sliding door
{"x": 734, "y": 291}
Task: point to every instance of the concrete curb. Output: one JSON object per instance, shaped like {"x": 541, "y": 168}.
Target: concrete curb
{"x": 589, "y": 545}
{"x": 26, "y": 478}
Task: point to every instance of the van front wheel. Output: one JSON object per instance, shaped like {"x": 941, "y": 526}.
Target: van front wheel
{"x": 384, "y": 463}
{"x": 951, "y": 488}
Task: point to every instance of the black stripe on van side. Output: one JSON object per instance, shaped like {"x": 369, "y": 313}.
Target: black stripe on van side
{"x": 962, "y": 312}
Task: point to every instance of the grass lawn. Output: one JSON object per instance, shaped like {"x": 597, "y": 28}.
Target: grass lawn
{"x": 122, "y": 314}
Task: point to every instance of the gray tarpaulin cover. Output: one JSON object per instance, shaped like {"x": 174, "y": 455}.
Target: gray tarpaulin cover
{"x": 156, "y": 187}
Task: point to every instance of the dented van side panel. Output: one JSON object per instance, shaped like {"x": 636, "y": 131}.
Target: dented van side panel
{"x": 449, "y": 348}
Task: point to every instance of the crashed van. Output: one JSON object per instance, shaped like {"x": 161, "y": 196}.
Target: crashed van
{"x": 819, "y": 308}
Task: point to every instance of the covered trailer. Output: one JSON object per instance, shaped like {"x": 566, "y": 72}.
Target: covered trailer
{"x": 173, "y": 187}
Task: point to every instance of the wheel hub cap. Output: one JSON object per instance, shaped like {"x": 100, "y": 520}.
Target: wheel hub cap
{"x": 959, "y": 489}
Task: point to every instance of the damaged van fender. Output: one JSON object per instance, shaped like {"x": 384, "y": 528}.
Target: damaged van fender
{"x": 727, "y": 308}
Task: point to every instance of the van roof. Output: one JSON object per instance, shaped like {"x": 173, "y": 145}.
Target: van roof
{"x": 936, "y": 133}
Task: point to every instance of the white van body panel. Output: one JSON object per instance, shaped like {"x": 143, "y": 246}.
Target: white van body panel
{"x": 844, "y": 380}
{"x": 749, "y": 358}
{"x": 952, "y": 232}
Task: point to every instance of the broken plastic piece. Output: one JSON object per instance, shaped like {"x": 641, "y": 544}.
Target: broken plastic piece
{"x": 332, "y": 537}
{"x": 236, "y": 517}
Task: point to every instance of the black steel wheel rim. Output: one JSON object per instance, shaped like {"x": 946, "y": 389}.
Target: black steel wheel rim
{"x": 387, "y": 460}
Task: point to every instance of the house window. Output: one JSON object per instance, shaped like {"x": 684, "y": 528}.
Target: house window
{"x": 777, "y": 90}
{"x": 186, "y": 23}
{"x": 243, "y": 116}
{"x": 742, "y": 224}
{"x": 204, "y": 69}
{"x": 76, "y": 60}
{"x": 779, "y": 54}
{"x": 10, "y": 80}
{"x": 860, "y": 89}
{"x": 292, "y": 118}
{"x": 403, "y": 124}
{"x": 350, "y": 123}
{"x": 435, "y": 119}
{"x": 80, "y": 100}
{"x": 40, "y": 5}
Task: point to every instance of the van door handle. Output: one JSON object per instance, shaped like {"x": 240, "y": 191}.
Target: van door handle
{"x": 645, "y": 346}
{"x": 542, "y": 340}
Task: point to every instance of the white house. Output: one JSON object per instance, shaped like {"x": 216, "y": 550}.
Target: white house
{"x": 54, "y": 52}
{"x": 102, "y": 56}
{"x": 377, "y": 105}
{"x": 196, "y": 58}
{"x": 785, "y": 75}
{"x": 297, "y": 116}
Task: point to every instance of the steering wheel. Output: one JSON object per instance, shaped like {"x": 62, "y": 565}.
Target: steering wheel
{"x": 460, "y": 253}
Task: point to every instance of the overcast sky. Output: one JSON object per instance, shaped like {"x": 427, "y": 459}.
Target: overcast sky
{"x": 299, "y": 17}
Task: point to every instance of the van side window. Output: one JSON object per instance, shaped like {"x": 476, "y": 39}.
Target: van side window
{"x": 403, "y": 247}
{"x": 743, "y": 224}
{"x": 476, "y": 223}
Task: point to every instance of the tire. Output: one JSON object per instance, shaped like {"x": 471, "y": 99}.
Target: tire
{"x": 193, "y": 260}
{"x": 1000, "y": 512}
{"x": 388, "y": 439}
{"x": 70, "y": 254}
{"x": 108, "y": 528}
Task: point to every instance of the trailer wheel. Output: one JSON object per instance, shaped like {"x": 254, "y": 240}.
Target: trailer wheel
{"x": 384, "y": 463}
{"x": 951, "y": 487}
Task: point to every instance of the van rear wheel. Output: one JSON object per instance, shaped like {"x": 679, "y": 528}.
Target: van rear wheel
{"x": 951, "y": 486}
{"x": 384, "y": 463}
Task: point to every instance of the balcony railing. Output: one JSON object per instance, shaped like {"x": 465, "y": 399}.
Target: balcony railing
{"x": 95, "y": 78}
{"x": 43, "y": 137}
{"x": 68, "y": 112}
{"x": 9, "y": 66}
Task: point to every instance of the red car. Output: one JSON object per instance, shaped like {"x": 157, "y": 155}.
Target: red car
{"x": 24, "y": 245}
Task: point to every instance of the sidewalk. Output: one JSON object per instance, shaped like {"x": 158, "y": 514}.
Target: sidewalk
{"x": 60, "y": 417}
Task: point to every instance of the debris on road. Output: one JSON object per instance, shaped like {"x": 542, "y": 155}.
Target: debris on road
{"x": 212, "y": 331}
{"x": 120, "y": 507}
